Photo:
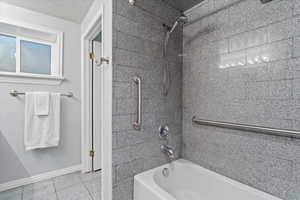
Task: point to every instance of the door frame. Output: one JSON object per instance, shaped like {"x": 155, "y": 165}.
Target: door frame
{"x": 105, "y": 12}
{"x": 97, "y": 76}
{"x": 87, "y": 96}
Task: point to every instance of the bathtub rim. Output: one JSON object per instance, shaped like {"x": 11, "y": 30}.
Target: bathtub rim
{"x": 147, "y": 180}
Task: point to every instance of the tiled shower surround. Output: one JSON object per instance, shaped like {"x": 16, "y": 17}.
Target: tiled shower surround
{"x": 138, "y": 40}
{"x": 242, "y": 64}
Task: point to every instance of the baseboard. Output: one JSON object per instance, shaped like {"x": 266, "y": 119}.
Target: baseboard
{"x": 39, "y": 177}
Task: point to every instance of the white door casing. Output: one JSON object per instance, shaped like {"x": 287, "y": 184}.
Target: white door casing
{"x": 100, "y": 14}
{"x": 97, "y": 101}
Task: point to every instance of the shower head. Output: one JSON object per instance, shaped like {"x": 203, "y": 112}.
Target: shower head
{"x": 180, "y": 20}
{"x": 183, "y": 19}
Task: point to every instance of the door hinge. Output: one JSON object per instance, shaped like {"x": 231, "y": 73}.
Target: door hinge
{"x": 102, "y": 60}
{"x": 92, "y": 56}
{"x": 92, "y": 153}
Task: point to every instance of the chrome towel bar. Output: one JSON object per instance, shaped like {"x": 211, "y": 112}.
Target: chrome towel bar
{"x": 249, "y": 128}
{"x": 15, "y": 93}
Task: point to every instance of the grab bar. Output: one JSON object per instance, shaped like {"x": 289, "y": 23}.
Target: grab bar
{"x": 15, "y": 93}
{"x": 138, "y": 123}
{"x": 251, "y": 128}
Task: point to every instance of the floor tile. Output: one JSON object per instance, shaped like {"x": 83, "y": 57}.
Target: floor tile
{"x": 77, "y": 192}
{"x": 97, "y": 196}
{"x": 94, "y": 187}
{"x": 65, "y": 181}
{"x": 11, "y": 197}
{"x": 38, "y": 189}
{"x": 13, "y": 194}
{"x": 74, "y": 186}
{"x": 40, "y": 196}
{"x": 90, "y": 176}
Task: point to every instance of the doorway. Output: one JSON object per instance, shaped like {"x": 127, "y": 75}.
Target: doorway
{"x": 92, "y": 98}
{"x": 96, "y": 103}
{"x": 100, "y": 22}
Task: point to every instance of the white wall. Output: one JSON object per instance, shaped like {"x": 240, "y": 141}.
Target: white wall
{"x": 91, "y": 14}
{"x": 12, "y": 109}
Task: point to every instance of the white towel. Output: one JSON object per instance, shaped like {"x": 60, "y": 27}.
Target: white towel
{"x": 42, "y": 131}
{"x": 41, "y": 103}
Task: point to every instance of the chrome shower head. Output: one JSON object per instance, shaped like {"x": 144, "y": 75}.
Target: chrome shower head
{"x": 180, "y": 20}
{"x": 183, "y": 19}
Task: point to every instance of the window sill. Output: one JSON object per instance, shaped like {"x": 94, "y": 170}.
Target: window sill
{"x": 7, "y": 77}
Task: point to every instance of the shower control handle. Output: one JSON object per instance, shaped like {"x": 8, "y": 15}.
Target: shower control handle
{"x": 163, "y": 132}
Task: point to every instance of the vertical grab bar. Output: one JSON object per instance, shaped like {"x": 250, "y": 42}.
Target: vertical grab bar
{"x": 137, "y": 124}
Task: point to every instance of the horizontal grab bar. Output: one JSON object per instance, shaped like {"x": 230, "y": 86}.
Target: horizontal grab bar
{"x": 250, "y": 128}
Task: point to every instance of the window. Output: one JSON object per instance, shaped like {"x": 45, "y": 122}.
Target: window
{"x": 7, "y": 53}
{"x": 30, "y": 51}
{"x": 35, "y": 57}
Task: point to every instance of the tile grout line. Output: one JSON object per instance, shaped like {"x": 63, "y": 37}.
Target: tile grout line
{"x": 55, "y": 190}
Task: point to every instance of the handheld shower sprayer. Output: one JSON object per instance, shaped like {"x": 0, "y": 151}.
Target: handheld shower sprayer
{"x": 166, "y": 73}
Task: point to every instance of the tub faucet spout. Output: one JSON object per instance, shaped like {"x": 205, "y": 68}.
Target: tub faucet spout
{"x": 168, "y": 151}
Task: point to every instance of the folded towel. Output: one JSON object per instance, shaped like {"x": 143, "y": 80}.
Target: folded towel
{"x": 41, "y": 131}
{"x": 41, "y": 103}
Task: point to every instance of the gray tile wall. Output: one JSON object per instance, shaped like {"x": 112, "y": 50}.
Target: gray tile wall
{"x": 242, "y": 65}
{"x": 138, "y": 37}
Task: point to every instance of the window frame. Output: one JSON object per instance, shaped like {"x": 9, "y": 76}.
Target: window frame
{"x": 56, "y": 51}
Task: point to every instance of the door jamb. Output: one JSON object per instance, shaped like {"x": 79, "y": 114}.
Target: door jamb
{"x": 106, "y": 97}
{"x": 87, "y": 128}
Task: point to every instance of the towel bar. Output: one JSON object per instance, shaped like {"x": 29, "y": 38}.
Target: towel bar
{"x": 15, "y": 93}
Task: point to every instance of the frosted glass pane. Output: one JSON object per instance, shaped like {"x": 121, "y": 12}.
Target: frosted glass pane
{"x": 7, "y": 53}
{"x": 35, "y": 58}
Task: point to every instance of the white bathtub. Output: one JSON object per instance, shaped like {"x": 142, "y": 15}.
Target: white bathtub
{"x": 188, "y": 181}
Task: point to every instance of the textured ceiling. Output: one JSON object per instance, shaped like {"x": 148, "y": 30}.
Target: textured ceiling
{"x": 183, "y": 5}
{"x": 73, "y": 10}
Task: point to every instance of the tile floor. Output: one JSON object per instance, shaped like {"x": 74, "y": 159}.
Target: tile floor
{"x": 74, "y": 186}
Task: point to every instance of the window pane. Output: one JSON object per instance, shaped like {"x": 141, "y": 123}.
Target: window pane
{"x": 35, "y": 58}
{"x": 7, "y": 53}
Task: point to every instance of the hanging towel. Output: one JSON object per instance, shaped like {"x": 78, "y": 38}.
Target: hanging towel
{"x": 41, "y": 131}
{"x": 41, "y": 103}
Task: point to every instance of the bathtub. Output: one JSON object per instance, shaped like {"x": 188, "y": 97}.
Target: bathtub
{"x": 188, "y": 181}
